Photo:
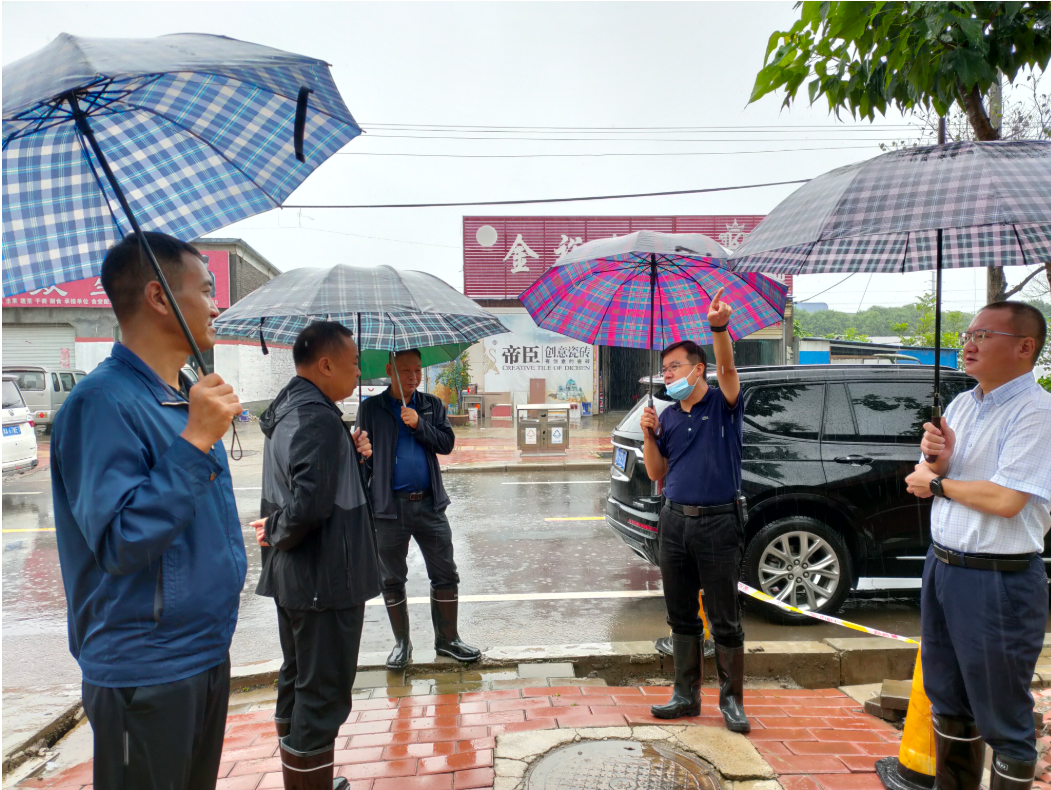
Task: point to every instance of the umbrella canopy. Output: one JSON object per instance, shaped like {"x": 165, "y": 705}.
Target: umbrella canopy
{"x": 648, "y": 290}
{"x": 956, "y": 205}
{"x": 186, "y": 132}
{"x": 992, "y": 202}
{"x": 390, "y": 310}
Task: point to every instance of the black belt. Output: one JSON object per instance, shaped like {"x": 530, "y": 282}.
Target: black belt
{"x": 700, "y": 510}
{"x": 413, "y": 496}
{"x": 984, "y": 562}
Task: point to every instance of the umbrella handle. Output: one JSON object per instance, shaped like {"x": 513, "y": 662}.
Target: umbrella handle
{"x": 936, "y": 419}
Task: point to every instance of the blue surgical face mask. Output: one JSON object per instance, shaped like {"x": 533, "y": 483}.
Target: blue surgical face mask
{"x": 680, "y": 389}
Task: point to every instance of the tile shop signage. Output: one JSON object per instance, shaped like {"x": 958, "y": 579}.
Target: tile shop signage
{"x": 505, "y": 255}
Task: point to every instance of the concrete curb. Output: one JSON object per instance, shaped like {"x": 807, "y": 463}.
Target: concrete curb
{"x": 526, "y": 466}
{"x": 44, "y": 738}
{"x": 826, "y": 664}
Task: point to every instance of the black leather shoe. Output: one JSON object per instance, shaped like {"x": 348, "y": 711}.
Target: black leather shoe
{"x": 959, "y": 754}
{"x": 1011, "y": 774}
{"x": 686, "y": 691}
{"x": 729, "y": 661}
{"x": 447, "y": 640}
{"x": 398, "y": 612}
{"x": 309, "y": 770}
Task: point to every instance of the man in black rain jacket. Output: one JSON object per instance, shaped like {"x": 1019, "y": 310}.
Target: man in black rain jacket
{"x": 409, "y": 429}
{"x": 319, "y": 553}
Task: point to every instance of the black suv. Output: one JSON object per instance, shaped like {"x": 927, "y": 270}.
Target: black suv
{"x": 826, "y": 452}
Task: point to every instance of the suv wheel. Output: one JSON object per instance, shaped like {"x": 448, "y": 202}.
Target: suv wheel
{"x": 802, "y": 562}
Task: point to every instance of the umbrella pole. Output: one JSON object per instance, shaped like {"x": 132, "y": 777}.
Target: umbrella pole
{"x": 936, "y": 413}
{"x": 360, "y": 350}
{"x": 85, "y": 130}
{"x": 653, "y": 299}
{"x": 394, "y": 367}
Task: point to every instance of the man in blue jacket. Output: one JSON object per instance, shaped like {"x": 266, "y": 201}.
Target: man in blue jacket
{"x": 408, "y": 429}
{"x": 153, "y": 559}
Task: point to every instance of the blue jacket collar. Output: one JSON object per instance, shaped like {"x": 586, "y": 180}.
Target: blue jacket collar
{"x": 165, "y": 395}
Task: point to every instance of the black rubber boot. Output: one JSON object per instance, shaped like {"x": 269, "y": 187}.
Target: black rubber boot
{"x": 663, "y": 646}
{"x": 959, "y": 754}
{"x": 1010, "y": 774}
{"x": 447, "y": 640}
{"x": 686, "y": 692}
{"x": 729, "y": 661}
{"x": 283, "y": 727}
{"x": 309, "y": 770}
{"x": 398, "y": 612}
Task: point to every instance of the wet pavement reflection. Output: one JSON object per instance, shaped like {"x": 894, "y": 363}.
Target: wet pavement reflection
{"x": 504, "y": 546}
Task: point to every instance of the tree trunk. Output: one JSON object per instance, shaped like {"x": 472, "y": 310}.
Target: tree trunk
{"x": 985, "y": 130}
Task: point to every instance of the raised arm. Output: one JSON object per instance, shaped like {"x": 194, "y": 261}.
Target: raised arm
{"x": 729, "y": 382}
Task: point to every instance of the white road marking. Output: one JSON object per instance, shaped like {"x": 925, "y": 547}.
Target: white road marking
{"x": 554, "y": 596}
{"x": 554, "y": 482}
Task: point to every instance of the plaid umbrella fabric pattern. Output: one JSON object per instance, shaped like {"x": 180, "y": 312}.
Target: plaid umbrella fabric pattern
{"x": 992, "y": 202}
{"x": 397, "y": 310}
{"x": 198, "y": 130}
{"x": 601, "y": 292}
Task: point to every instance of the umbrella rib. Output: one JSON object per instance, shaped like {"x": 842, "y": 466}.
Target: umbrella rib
{"x": 102, "y": 188}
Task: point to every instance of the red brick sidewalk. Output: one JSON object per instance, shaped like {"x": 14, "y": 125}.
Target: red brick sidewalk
{"x": 815, "y": 740}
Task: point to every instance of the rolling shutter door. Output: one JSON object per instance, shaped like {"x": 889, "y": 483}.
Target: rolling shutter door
{"x": 51, "y": 345}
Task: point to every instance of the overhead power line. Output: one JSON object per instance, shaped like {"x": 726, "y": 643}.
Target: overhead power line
{"x": 586, "y": 156}
{"x": 477, "y": 136}
{"x": 550, "y": 200}
{"x": 437, "y": 127}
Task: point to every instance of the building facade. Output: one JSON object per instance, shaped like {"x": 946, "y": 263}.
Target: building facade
{"x": 72, "y": 325}
{"x": 503, "y": 256}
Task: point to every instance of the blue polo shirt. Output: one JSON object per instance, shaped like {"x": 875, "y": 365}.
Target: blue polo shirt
{"x": 411, "y": 472}
{"x": 703, "y": 448}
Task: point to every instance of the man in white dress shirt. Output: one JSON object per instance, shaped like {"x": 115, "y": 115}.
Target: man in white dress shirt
{"x": 984, "y": 602}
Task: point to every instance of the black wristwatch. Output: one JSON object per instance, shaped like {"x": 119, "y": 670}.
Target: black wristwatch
{"x": 936, "y": 488}
{"x": 722, "y": 328}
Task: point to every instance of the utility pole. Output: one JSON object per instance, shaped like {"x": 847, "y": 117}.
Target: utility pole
{"x": 995, "y": 281}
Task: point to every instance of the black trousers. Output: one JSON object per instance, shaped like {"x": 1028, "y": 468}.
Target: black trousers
{"x": 163, "y": 737}
{"x": 317, "y": 675}
{"x": 702, "y": 553}
{"x": 982, "y": 632}
{"x": 432, "y": 533}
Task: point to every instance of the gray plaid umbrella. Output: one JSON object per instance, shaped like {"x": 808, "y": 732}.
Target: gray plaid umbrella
{"x": 392, "y": 311}
{"x": 957, "y": 205}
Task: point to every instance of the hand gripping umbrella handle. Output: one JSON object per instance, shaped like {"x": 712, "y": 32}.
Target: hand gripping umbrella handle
{"x": 936, "y": 419}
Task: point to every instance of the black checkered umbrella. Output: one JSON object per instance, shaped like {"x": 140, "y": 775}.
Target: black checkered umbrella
{"x": 956, "y": 205}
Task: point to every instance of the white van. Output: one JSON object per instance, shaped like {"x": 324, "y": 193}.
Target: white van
{"x": 20, "y": 450}
{"x": 44, "y": 389}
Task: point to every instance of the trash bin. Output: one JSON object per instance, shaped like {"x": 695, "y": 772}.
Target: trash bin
{"x": 472, "y": 406}
{"x": 543, "y": 429}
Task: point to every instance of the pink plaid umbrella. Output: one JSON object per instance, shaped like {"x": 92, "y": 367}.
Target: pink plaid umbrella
{"x": 649, "y": 290}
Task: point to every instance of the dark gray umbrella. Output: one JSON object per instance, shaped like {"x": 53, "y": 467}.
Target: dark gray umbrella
{"x": 393, "y": 311}
{"x": 957, "y": 205}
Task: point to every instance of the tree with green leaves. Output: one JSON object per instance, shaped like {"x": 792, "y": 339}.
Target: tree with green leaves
{"x": 866, "y": 57}
{"x": 953, "y": 323}
{"x": 457, "y": 377}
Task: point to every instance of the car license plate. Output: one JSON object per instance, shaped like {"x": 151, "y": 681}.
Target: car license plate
{"x": 620, "y": 458}
{"x": 11, "y": 430}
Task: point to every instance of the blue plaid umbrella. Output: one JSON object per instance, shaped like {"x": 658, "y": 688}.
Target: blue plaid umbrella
{"x": 180, "y": 134}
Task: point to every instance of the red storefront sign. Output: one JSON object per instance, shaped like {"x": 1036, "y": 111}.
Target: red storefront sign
{"x": 502, "y": 256}
{"x": 89, "y": 293}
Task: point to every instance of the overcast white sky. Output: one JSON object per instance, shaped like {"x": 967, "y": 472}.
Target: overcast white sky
{"x": 552, "y": 64}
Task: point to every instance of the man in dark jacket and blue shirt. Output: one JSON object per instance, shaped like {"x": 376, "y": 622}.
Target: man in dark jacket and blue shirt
{"x": 319, "y": 554}
{"x": 152, "y": 554}
{"x": 696, "y": 447}
{"x": 409, "y": 429}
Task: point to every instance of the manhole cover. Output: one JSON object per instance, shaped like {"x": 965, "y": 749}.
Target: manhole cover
{"x": 620, "y": 765}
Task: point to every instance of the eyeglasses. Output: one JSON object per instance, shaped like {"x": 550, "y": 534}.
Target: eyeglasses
{"x": 674, "y": 367}
{"x": 978, "y": 335}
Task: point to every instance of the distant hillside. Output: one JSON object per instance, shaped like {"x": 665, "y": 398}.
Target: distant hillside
{"x": 876, "y": 321}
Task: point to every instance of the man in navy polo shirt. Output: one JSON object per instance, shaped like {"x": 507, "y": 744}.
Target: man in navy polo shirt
{"x": 695, "y": 446}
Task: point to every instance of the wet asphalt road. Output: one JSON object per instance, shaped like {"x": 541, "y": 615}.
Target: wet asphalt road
{"x": 504, "y": 546}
